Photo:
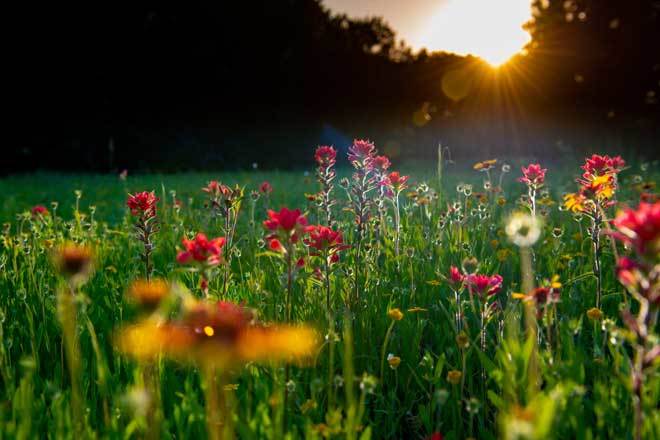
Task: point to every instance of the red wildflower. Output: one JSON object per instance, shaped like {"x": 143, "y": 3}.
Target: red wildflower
{"x": 322, "y": 239}
{"x": 436, "y": 436}
{"x": 266, "y": 188}
{"x": 362, "y": 153}
{"x": 275, "y": 245}
{"x": 202, "y": 250}
{"x": 143, "y": 204}
{"x": 456, "y": 278}
{"x": 533, "y": 175}
{"x": 40, "y": 211}
{"x": 598, "y": 165}
{"x": 325, "y": 156}
{"x": 484, "y": 286}
{"x": 396, "y": 182}
{"x": 216, "y": 188}
{"x": 287, "y": 219}
{"x": 627, "y": 272}
{"x": 381, "y": 163}
{"x": 640, "y": 228}
{"x": 287, "y": 225}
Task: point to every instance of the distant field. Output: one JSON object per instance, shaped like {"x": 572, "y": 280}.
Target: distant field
{"x": 381, "y": 377}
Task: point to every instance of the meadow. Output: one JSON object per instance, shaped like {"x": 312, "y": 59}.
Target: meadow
{"x": 442, "y": 302}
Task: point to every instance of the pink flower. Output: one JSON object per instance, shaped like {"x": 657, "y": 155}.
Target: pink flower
{"x": 533, "y": 175}
{"x": 202, "y": 250}
{"x": 325, "y": 156}
{"x": 39, "y": 211}
{"x": 484, "y": 286}
{"x": 143, "y": 204}
{"x": 362, "y": 153}
{"x": 640, "y": 228}
{"x": 266, "y": 187}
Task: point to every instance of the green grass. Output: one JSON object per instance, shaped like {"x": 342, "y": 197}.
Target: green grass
{"x": 583, "y": 365}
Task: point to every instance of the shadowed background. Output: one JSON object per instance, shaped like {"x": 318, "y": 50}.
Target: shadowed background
{"x": 167, "y": 86}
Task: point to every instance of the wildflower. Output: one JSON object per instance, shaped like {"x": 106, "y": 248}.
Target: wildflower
{"x": 597, "y": 165}
{"x": 325, "y": 174}
{"x": 462, "y": 340}
{"x": 362, "y": 153}
{"x": 266, "y": 188}
{"x": 454, "y": 377}
{"x": 533, "y": 175}
{"x": 325, "y": 241}
{"x": 220, "y": 334}
{"x": 148, "y": 293}
{"x": 74, "y": 261}
{"x": 39, "y": 211}
{"x": 143, "y": 204}
{"x": 628, "y": 273}
{"x": 396, "y": 182}
{"x": 395, "y": 314}
{"x": 286, "y": 224}
{"x": 381, "y": 163}
{"x": 215, "y": 188}
{"x": 594, "y": 314}
{"x": 201, "y": 250}
{"x": 641, "y": 229}
{"x": 484, "y": 286}
{"x": 393, "y": 361}
{"x": 523, "y": 229}
{"x": 456, "y": 278}
{"x": 325, "y": 156}
{"x": 486, "y": 165}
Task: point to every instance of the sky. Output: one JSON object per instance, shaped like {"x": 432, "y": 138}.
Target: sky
{"x": 491, "y": 29}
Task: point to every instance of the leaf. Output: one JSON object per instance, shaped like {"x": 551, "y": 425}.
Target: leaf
{"x": 366, "y": 434}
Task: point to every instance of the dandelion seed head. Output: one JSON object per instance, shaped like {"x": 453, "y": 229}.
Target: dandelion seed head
{"x": 523, "y": 229}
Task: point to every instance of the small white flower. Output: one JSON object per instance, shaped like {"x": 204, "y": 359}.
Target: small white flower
{"x": 523, "y": 229}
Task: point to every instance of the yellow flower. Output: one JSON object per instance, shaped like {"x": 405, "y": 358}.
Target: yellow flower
{"x": 216, "y": 334}
{"x": 462, "y": 340}
{"x": 395, "y": 314}
{"x": 74, "y": 261}
{"x": 308, "y": 406}
{"x": 148, "y": 293}
{"x": 394, "y": 361}
{"x": 454, "y": 377}
{"x": 554, "y": 283}
{"x": 503, "y": 255}
{"x": 575, "y": 202}
{"x": 485, "y": 165}
{"x": 501, "y": 201}
{"x": 594, "y": 314}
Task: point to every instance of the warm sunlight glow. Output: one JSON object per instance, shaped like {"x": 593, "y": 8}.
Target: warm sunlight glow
{"x": 489, "y": 29}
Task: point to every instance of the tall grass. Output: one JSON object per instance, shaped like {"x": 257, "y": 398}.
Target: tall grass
{"x": 579, "y": 373}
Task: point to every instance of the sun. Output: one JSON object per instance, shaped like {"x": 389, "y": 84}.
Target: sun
{"x": 489, "y": 29}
